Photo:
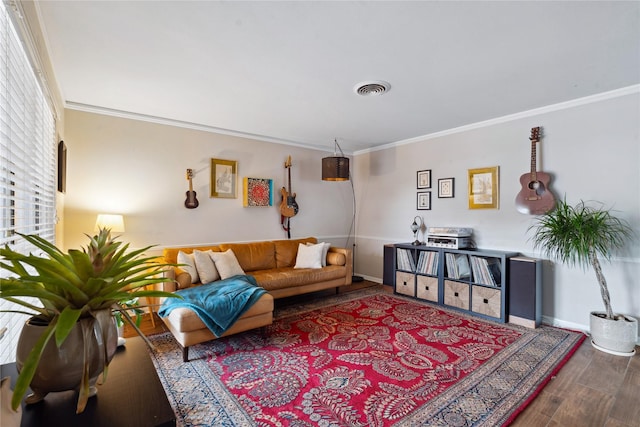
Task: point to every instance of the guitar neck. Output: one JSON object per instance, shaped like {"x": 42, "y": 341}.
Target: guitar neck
{"x": 289, "y": 171}
{"x": 190, "y": 179}
{"x": 534, "y": 155}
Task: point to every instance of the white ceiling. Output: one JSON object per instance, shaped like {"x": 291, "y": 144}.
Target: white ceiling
{"x": 286, "y": 71}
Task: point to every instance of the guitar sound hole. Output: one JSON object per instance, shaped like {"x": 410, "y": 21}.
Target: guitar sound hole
{"x": 537, "y": 187}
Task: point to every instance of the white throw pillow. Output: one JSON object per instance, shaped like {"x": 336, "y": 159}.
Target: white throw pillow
{"x": 189, "y": 265}
{"x": 227, "y": 264}
{"x": 205, "y": 266}
{"x": 325, "y": 250}
{"x": 309, "y": 256}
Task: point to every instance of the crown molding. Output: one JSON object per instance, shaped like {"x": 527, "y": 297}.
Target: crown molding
{"x": 617, "y": 93}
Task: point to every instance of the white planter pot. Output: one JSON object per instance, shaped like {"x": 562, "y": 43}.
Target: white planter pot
{"x": 616, "y": 336}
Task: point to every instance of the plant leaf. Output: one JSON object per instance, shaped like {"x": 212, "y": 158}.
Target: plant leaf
{"x": 31, "y": 365}
{"x": 66, "y": 321}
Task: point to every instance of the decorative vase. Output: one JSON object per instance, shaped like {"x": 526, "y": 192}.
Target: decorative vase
{"x": 616, "y": 336}
{"x": 60, "y": 369}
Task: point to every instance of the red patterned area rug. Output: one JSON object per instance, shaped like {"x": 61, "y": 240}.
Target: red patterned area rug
{"x": 364, "y": 359}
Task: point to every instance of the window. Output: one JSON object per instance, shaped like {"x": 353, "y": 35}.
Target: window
{"x": 27, "y": 162}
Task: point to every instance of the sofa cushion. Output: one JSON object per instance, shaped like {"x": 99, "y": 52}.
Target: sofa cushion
{"x": 207, "y": 270}
{"x": 279, "y": 278}
{"x": 287, "y": 250}
{"x": 309, "y": 256}
{"x": 189, "y": 265}
{"x": 183, "y": 281}
{"x": 253, "y": 256}
{"x": 336, "y": 258}
{"x": 227, "y": 264}
{"x": 325, "y": 249}
{"x": 186, "y": 320}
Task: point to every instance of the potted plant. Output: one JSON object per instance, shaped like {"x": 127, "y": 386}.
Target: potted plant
{"x": 78, "y": 292}
{"x": 579, "y": 235}
{"x": 119, "y": 316}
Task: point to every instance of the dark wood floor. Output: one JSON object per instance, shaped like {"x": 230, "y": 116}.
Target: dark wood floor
{"x": 593, "y": 389}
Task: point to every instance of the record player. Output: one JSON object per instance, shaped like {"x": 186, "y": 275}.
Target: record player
{"x": 449, "y": 237}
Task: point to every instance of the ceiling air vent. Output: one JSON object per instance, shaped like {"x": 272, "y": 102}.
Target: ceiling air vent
{"x": 372, "y": 88}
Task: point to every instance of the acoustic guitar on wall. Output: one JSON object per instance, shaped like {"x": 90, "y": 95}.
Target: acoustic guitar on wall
{"x": 191, "y": 202}
{"x": 535, "y": 198}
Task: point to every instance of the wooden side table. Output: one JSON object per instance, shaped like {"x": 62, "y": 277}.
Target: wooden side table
{"x": 131, "y": 396}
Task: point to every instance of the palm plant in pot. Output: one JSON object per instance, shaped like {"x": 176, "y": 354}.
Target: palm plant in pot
{"x": 71, "y": 337}
{"x": 579, "y": 235}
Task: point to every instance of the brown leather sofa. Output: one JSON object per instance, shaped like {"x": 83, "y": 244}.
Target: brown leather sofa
{"x": 271, "y": 263}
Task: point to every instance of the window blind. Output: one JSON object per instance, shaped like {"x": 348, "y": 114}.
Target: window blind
{"x": 27, "y": 162}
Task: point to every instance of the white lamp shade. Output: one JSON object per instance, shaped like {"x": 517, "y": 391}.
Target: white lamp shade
{"x": 115, "y": 223}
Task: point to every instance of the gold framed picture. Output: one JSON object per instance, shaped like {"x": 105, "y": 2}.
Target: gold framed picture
{"x": 484, "y": 192}
{"x": 224, "y": 177}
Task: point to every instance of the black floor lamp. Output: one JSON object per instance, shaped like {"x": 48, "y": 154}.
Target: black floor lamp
{"x": 336, "y": 168}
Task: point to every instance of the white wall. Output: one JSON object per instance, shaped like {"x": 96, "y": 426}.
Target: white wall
{"x": 138, "y": 169}
{"x": 592, "y": 151}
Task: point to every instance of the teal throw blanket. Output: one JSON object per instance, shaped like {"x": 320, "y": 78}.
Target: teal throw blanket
{"x": 218, "y": 304}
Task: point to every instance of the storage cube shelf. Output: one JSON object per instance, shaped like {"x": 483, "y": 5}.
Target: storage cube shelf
{"x": 473, "y": 280}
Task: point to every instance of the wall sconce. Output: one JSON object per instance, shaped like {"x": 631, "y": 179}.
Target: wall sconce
{"x": 415, "y": 228}
{"x": 115, "y": 223}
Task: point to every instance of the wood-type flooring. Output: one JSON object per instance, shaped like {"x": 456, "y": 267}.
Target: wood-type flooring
{"x": 593, "y": 389}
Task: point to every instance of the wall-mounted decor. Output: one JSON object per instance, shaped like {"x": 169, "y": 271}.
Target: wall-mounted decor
{"x": 484, "y": 188}
{"x": 257, "y": 192}
{"x": 445, "y": 188}
{"x": 424, "y": 201}
{"x": 424, "y": 179}
{"x": 62, "y": 167}
{"x": 192, "y": 201}
{"x": 224, "y": 178}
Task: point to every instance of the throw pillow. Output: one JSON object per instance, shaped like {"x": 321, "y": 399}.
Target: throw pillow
{"x": 326, "y": 246}
{"x": 205, "y": 266}
{"x": 227, "y": 264}
{"x": 309, "y": 256}
{"x": 189, "y": 265}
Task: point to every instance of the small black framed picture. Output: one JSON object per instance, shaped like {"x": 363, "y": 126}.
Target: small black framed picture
{"x": 446, "y": 188}
{"x": 424, "y": 201}
{"x": 424, "y": 179}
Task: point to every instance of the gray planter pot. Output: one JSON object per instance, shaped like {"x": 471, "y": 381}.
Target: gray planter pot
{"x": 61, "y": 369}
{"x": 617, "y": 336}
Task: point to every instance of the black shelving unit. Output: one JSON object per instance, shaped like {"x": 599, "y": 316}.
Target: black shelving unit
{"x": 472, "y": 280}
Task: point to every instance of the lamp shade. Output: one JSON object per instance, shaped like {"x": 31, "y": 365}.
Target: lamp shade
{"x": 335, "y": 168}
{"x": 114, "y": 223}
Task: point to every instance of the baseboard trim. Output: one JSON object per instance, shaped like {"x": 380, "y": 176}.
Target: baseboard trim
{"x": 547, "y": 320}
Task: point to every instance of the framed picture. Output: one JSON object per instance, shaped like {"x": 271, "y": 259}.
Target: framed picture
{"x": 62, "y": 167}
{"x": 445, "y": 188}
{"x": 483, "y": 188}
{"x": 257, "y": 192}
{"x": 224, "y": 178}
{"x": 424, "y": 179}
{"x": 424, "y": 201}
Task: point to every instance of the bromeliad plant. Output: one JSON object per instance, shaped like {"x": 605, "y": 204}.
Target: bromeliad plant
{"x": 103, "y": 277}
